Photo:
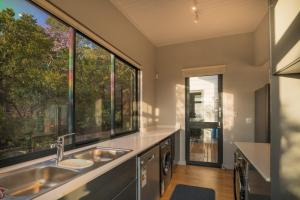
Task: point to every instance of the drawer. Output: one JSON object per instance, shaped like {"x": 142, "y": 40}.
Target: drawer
{"x": 109, "y": 185}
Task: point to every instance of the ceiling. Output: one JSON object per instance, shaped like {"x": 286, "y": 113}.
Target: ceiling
{"x": 166, "y": 22}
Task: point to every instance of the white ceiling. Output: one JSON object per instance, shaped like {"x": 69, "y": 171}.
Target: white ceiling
{"x": 166, "y": 22}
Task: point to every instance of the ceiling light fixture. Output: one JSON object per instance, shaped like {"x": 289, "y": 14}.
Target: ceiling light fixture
{"x": 195, "y": 11}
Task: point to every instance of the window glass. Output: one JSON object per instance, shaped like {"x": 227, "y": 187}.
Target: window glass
{"x": 125, "y": 97}
{"x": 34, "y": 71}
{"x": 39, "y": 97}
{"x": 92, "y": 90}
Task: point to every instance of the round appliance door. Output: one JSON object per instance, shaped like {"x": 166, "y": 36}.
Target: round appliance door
{"x": 166, "y": 163}
{"x": 239, "y": 183}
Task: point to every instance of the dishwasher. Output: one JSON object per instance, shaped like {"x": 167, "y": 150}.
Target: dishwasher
{"x": 148, "y": 175}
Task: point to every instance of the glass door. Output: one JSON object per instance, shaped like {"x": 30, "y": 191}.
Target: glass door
{"x": 204, "y": 120}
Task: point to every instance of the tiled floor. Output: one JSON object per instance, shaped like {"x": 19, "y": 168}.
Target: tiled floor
{"x": 218, "y": 179}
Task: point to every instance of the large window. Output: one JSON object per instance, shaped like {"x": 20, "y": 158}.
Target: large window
{"x": 92, "y": 90}
{"x": 125, "y": 97}
{"x": 34, "y": 70}
{"x": 41, "y": 98}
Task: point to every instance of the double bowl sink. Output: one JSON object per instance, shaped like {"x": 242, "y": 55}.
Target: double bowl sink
{"x": 35, "y": 180}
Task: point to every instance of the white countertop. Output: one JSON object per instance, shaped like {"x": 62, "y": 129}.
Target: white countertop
{"x": 137, "y": 142}
{"x": 258, "y": 154}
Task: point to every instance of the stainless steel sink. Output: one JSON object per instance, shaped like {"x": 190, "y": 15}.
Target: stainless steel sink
{"x": 35, "y": 180}
{"x": 38, "y": 179}
{"x": 101, "y": 154}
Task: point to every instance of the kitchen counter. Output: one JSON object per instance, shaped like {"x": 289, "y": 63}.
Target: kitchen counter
{"x": 137, "y": 142}
{"x": 258, "y": 154}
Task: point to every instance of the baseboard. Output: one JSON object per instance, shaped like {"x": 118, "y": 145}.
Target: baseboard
{"x": 181, "y": 162}
{"x": 229, "y": 167}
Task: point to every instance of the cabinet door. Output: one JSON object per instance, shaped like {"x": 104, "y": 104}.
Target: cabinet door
{"x": 130, "y": 192}
{"x": 109, "y": 185}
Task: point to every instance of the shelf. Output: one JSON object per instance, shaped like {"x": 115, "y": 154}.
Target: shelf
{"x": 293, "y": 68}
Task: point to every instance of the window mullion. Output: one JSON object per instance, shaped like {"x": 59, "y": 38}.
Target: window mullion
{"x": 71, "y": 83}
{"x": 112, "y": 94}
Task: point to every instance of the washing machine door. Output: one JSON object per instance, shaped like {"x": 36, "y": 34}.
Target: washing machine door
{"x": 166, "y": 163}
{"x": 239, "y": 183}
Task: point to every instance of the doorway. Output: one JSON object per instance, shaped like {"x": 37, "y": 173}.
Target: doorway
{"x": 204, "y": 129}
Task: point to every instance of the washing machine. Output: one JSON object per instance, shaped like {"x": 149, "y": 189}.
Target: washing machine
{"x": 165, "y": 164}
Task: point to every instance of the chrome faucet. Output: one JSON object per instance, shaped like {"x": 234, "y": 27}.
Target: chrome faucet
{"x": 60, "y": 144}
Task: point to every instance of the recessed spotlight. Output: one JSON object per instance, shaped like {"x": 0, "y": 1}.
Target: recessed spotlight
{"x": 194, "y": 8}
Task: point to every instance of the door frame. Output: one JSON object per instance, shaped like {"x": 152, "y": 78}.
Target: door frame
{"x": 187, "y": 128}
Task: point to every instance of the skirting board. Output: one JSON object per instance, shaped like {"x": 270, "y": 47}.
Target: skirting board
{"x": 181, "y": 162}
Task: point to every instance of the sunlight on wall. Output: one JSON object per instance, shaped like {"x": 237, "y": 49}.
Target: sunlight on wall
{"x": 146, "y": 115}
{"x": 156, "y": 115}
{"x": 290, "y": 139}
{"x": 146, "y": 110}
{"x": 180, "y": 105}
{"x": 284, "y": 19}
{"x": 228, "y": 111}
{"x": 290, "y": 173}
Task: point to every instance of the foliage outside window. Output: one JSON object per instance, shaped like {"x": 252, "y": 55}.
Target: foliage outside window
{"x": 36, "y": 83}
{"x": 33, "y": 80}
{"x": 125, "y": 95}
{"x": 92, "y": 90}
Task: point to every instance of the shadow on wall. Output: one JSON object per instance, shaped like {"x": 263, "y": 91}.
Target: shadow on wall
{"x": 290, "y": 137}
{"x": 285, "y": 122}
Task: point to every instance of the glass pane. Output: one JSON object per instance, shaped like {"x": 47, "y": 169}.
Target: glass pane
{"x": 125, "y": 98}
{"x": 204, "y": 145}
{"x": 34, "y": 70}
{"x": 204, "y": 99}
{"x": 92, "y": 90}
{"x": 204, "y": 118}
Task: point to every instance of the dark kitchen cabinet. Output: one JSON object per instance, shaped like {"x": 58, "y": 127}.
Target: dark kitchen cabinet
{"x": 117, "y": 184}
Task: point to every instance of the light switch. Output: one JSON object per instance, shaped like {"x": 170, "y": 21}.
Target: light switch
{"x": 249, "y": 120}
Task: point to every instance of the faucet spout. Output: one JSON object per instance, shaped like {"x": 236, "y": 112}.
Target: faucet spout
{"x": 60, "y": 144}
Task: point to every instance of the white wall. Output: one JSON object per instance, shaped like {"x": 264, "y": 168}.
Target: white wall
{"x": 104, "y": 19}
{"x": 240, "y": 81}
{"x": 262, "y": 42}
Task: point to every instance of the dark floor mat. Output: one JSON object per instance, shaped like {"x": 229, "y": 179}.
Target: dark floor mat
{"x": 187, "y": 192}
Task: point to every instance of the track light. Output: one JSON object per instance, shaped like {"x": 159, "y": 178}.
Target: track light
{"x": 195, "y": 11}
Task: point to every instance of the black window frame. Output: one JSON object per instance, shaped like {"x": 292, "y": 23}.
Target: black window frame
{"x": 71, "y": 101}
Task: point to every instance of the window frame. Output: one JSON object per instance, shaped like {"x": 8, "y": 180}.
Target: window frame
{"x": 71, "y": 101}
{"x": 136, "y": 97}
